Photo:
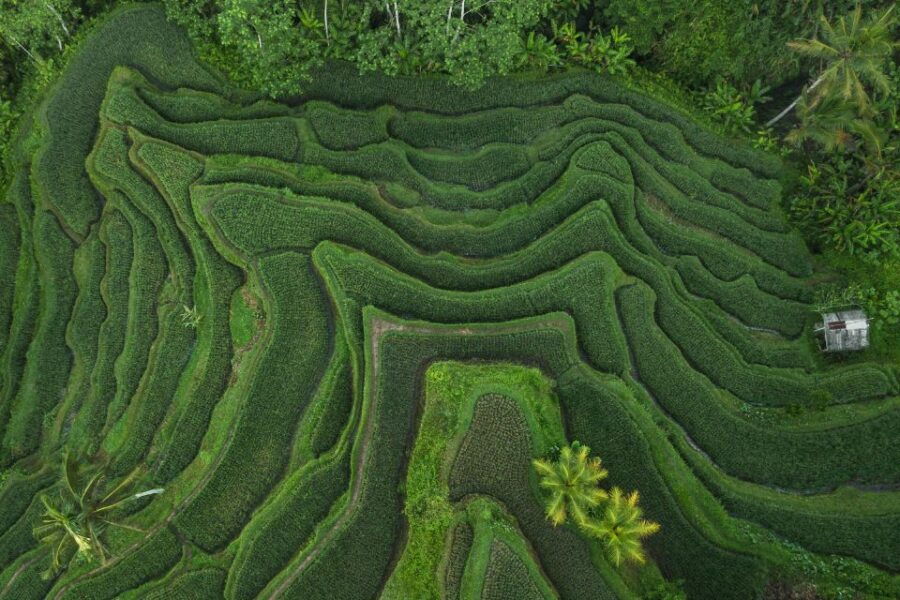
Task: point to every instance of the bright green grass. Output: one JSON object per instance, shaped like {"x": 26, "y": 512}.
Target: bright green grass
{"x": 451, "y": 390}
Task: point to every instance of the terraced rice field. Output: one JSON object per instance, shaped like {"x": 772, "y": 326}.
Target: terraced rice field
{"x": 357, "y": 253}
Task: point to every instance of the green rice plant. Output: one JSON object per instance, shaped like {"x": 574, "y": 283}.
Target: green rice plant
{"x": 49, "y": 358}
{"x": 821, "y": 523}
{"x": 283, "y": 383}
{"x": 460, "y": 543}
{"x": 374, "y": 515}
{"x": 88, "y": 313}
{"x": 133, "y": 35}
{"x": 688, "y": 546}
{"x": 507, "y": 577}
{"x": 479, "y": 171}
{"x": 25, "y": 575}
{"x": 109, "y": 167}
{"x": 368, "y": 91}
{"x": 189, "y": 105}
{"x": 451, "y": 390}
{"x": 273, "y": 137}
{"x": 198, "y": 584}
{"x": 272, "y": 538}
{"x": 25, "y": 299}
{"x": 172, "y": 171}
{"x": 716, "y": 254}
{"x": 508, "y": 124}
{"x": 17, "y": 494}
{"x": 9, "y": 251}
{"x": 578, "y": 288}
{"x": 806, "y": 459}
{"x": 115, "y": 232}
{"x": 151, "y": 559}
{"x": 18, "y": 539}
{"x": 503, "y": 471}
{"x": 337, "y": 128}
{"x": 743, "y": 299}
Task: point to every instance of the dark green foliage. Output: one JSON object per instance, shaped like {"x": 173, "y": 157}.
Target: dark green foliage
{"x": 840, "y": 205}
{"x": 135, "y": 36}
{"x": 820, "y": 460}
{"x": 596, "y": 417}
{"x": 9, "y": 254}
{"x": 116, "y": 234}
{"x": 507, "y": 577}
{"x": 49, "y": 358}
{"x": 150, "y": 560}
{"x": 270, "y": 541}
{"x": 282, "y": 385}
{"x": 495, "y": 459}
{"x": 202, "y": 584}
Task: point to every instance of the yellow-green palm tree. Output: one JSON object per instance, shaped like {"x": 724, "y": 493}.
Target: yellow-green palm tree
{"x": 74, "y": 519}
{"x": 572, "y": 481}
{"x": 622, "y": 527}
{"x": 853, "y": 52}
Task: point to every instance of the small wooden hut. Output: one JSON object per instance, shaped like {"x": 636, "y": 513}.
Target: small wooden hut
{"x": 844, "y": 331}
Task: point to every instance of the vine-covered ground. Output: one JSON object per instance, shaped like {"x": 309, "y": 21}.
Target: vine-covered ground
{"x": 594, "y": 266}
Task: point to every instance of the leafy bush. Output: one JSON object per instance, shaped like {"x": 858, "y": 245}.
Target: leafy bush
{"x": 841, "y": 208}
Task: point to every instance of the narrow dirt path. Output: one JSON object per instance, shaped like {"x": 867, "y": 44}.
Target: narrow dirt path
{"x": 379, "y": 328}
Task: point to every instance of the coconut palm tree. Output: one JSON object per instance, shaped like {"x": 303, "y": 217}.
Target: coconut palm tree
{"x": 572, "y": 481}
{"x": 622, "y": 527}
{"x": 829, "y": 123}
{"x": 75, "y": 518}
{"x": 834, "y": 125}
{"x": 853, "y": 52}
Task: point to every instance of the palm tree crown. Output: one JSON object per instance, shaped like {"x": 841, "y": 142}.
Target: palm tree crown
{"x": 74, "y": 520}
{"x": 854, "y": 51}
{"x": 622, "y": 527}
{"x": 572, "y": 481}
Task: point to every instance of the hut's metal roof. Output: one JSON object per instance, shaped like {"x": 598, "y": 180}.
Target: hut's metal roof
{"x": 845, "y": 330}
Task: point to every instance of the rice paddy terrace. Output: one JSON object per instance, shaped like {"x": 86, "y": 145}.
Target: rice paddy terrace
{"x": 388, "y": 262}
